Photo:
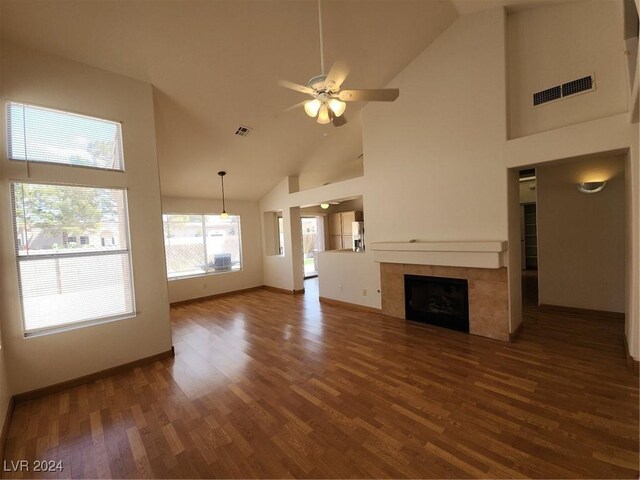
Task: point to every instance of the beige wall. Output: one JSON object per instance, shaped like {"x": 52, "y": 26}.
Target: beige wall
{"x": 337, "y": 156}
{"x": 48, "y": 359}
{"x": 278, "y": 269}
{"x": 5, "y": 389}
{"x": 433, "y": 165}
{"x": 632, "y": 174}
{"x": 251, "y": 273}
{"x": 349, "y": 277}
{"x": 581, "y": 238}
{"x": 632, "y": 324}
{"x": 514, "y": 188}
{"x": 551, "y": 45}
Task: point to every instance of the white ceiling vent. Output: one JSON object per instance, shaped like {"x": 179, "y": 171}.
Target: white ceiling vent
{"x": 580, "y": 85}
{"x": 243, "y": 131}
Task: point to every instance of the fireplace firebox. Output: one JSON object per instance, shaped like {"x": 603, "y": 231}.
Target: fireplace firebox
{"x": 439, "y": 301}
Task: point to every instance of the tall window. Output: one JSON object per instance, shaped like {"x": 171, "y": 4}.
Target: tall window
{"x": 72, "y": 249}
{"x": 201, "y": 244}
{"x": 280, "y": 235}
{"x": 38, "y": 134}
{"x": 71, "y": 242}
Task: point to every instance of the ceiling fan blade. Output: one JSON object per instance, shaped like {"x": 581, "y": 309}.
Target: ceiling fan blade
{"x": 296, "y": 87}
{"x": 372, "y": 95}
{"x": 339, "y": 121}
{"x": 297, "y": 105}
{"x": 292, "y": 107}
{"x": 337, "y": 75}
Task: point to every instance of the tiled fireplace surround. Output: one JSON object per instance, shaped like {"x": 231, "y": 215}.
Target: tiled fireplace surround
{"x": 488, "y": 287}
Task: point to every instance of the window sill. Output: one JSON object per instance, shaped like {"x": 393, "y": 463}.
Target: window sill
{"x": 75, "y": 326}
{"x": 198, "y": 275}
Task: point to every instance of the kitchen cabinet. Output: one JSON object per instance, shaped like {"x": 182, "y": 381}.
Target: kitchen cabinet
{"x": 335, "y": 242}
{"x": 340, "y": 237}
{"x": 335, "y": 224}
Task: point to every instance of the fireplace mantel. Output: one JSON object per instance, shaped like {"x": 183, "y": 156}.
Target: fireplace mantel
{"x": 476, "y": 254}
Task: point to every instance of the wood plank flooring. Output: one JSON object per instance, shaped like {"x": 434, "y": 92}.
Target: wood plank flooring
{"x": 271, "y": 386}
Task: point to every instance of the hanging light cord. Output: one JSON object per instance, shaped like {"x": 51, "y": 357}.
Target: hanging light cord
{"x": 224, "y": 210}
{"x": 321, "y": 40}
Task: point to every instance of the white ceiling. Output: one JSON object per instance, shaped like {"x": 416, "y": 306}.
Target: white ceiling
{"x": 214, "y": 65}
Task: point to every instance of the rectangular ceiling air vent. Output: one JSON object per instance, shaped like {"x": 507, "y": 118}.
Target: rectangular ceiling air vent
{"x": 581, "y": 85}
{"x": 243, "y": 131}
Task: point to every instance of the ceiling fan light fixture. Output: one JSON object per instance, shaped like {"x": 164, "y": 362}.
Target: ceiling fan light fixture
{"x": 312, "y": 106}
{"x": 323, "y": 115}
{"x": 337, "y": 107}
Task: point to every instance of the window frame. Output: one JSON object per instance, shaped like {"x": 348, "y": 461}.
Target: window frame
{"x": 204, "y": 236}
{"x": 19, "y": 258}
{"x": 60, "y": 110}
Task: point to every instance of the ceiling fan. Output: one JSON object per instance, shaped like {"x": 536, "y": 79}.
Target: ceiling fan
{"x": 328, "y": 100}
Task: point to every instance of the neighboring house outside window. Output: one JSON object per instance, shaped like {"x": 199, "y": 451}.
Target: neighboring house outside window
{"x": 197, "y": 244}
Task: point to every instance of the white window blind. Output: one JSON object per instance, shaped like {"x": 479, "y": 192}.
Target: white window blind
{"x": 72, "y": 249}
{"x": 201, "y": 244}
{"x": 38, "y": 134}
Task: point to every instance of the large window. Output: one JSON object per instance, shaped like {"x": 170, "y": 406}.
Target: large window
{"x": 201, "y": 244}
{"x": 38, "y": 134}
{"x": 72, "y": 248}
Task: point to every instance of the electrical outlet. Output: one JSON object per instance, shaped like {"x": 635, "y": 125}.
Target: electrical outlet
{"x": 364, "y": 292}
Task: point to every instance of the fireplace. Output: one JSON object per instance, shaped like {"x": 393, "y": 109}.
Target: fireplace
{"x": 439, "y": 301}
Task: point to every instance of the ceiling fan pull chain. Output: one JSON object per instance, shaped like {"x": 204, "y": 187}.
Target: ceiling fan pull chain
{"x": 321, "y": 40}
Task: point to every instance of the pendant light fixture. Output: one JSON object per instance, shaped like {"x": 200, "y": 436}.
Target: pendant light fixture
{"x": 224, "y": 213}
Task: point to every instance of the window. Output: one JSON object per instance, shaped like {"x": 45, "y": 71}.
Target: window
{"x": 201, "y": 244}
{"x": 67, "y": 275}
{"x": 280, "y": 235}
{"x": 38, "y": 134}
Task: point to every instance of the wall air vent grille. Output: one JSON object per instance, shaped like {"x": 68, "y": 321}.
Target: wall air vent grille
{"x": 581, "y": 85}
{"x": 584, "y": 84}
{"x": 547, "y": 95}
{"x": 243, "y": 131}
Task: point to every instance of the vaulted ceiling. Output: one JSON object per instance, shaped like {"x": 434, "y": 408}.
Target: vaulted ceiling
{"x": 214, "y": 65}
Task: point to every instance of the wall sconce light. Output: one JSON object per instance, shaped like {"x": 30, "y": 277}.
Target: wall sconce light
{"x": 591, "y": 187}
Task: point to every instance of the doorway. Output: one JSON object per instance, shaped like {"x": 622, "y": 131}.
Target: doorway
{"x": 312, "y": 243}
{"x": 528, "y": 236}
{"x": 573, "y": 235}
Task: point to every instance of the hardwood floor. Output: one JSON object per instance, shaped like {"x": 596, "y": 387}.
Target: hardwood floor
{"x": 271, "y": 385}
